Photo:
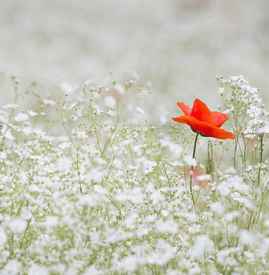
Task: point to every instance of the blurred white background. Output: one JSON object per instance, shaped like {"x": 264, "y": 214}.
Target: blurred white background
{"x": 178, "y": 45}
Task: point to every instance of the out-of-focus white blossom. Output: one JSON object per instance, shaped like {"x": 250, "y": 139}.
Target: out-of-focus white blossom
{"x": 202, "y": 247}
{"x": 21, "y": 117}
{"x": 245, "y": 104}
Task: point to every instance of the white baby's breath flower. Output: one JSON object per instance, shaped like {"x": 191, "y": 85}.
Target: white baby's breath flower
{"x": 131, "y": 220}
{"x": 247, "y": 238}
{"x": 246, "y": 105}
{"x": 190, "y": 161}
{"x": 28, "y": 130}
{"x": 243, "y": 200}
{"x": 37, "y": 269}
{"x": 163, "y": 253}
{"x": 174, "y": 149}
{"x": 3, "y": 155}
{"x": 95, "y": 175}
{"x": 65, "y": 145}
{"x": 233, "y": 184}
{"x": 148, "y": 166}
{"x": 134, "y": 195}
{"x": 64, "y": 164}
{"x": 110, "y": 102}
{"x": 49, "y": 102}
{"x": 264, "y": 129}
{"x": 51, "y": 221}
{"x": 3, "y": 237}
{"x": 202, "y": 246}
{"x": 229, "y": 217}
{"x": 167, "y": 227}
{"x": 156, "y": 197}
{"x": 140, "y": 110}
{"x": 67, "y": 88}
{"x": 13, "y": 267}
{"x": 217, "y": 207}
{"x": 129, "y": 264}
{"x": 92, "y": 270}
{"x": 17, "y": 226}
{"x": 20, "y": 117}
{"x": 163, "y": 119}
{"x": 32, "y": 113}
{"x": 10, "y": 106}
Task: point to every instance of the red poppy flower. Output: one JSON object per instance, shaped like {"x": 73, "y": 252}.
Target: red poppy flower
{"x": 203, "y": 121}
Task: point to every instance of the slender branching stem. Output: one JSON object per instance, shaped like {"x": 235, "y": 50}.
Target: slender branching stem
{"x": 262, "y": 197}
{"x": 210, "y": 156}
{"x": 244, "y": 151}
{"x": 235, "y": 151}
{"x": 260, "y": 160}
{"x": 78, "y": 171}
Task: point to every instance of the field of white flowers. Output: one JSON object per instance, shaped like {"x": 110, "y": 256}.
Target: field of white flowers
{"x": 98, "y": 173}
{"x": 109, "y": 192}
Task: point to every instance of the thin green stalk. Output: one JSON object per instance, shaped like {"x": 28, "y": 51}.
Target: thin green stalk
{"x": 77, "y": 161}
{"x": 235, "y": 152}
{"x": 262, "y": 198}
{"x": 193, "y": 156}
{"x": 78, "y": 170}
{"x": 210, "y": 157}
{"x": 194, "y": 147}
{"x": 24, "y": 234}
{"x": 244, "y": 152}
{"x": 260, "y": 160}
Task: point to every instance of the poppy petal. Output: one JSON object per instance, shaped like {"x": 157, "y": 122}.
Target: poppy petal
{"x": 221, "y": 133}
{"x": 201, "y": 111}
{"x": 218, "y": 118}
{"x": 204, "y": 128}
{"x": 184, "y": 108}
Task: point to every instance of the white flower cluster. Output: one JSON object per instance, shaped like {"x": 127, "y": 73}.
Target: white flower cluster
{"x": 246, "y": 105}
{"x": 106, "y": 197}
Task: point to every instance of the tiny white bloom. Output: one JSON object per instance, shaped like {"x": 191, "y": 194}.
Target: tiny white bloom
{"x": 190, "y": 161}
{"x": 21, "y": 117}
{"x": 110, "y": 102}
{"x": 49, "y": 102}
{"x": 17, "y": 226}
{"x": 37, "y": 269}
{"x": 202, "y": 245}
{"x": 3, "y": 237}
{"x": 64, "y": 164}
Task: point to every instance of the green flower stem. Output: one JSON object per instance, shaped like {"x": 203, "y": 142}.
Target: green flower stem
{"x": 210, "y": 156}
{"x": 261, "y": 159}
{"x": 193, "y": 156}
{"x": 235, "y": 151}
{"x": 262, "y": 197}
